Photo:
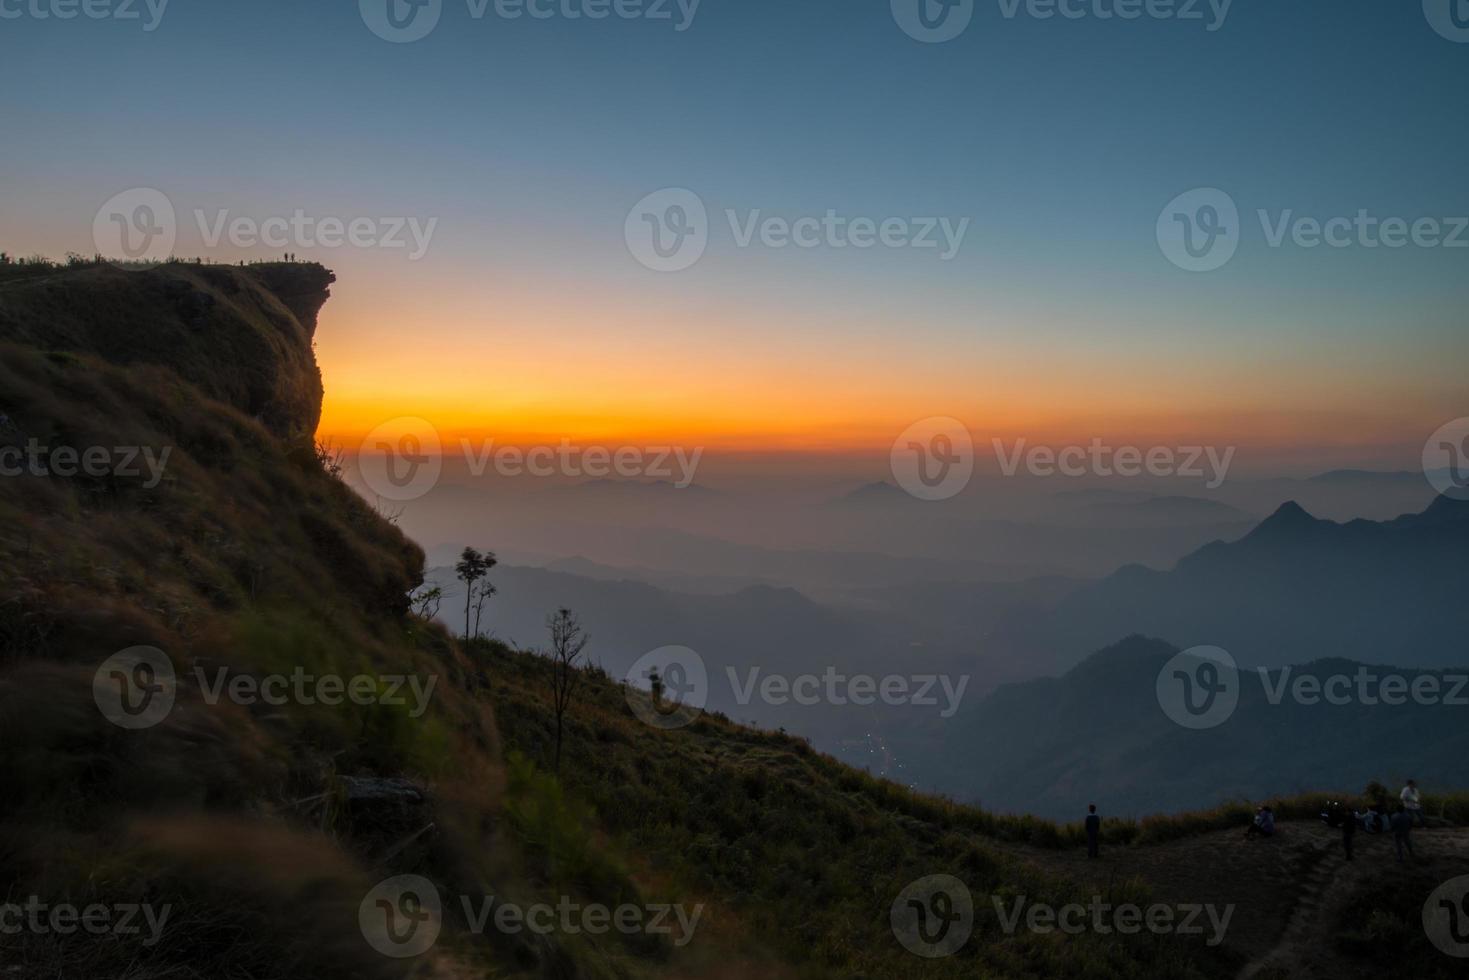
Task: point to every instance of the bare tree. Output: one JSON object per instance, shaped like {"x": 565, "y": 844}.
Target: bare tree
{"x": 568, "y": 640}
{"x": 472, "y": 567}
{"x": 486, "y": 592}
{"x": 425, "y": 601}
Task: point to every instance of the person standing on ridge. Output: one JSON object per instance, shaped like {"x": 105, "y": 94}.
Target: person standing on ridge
{"x": 1413, "y": 804}
{"x": 1402, "y": 828}
{"x": 1093, "y": 832}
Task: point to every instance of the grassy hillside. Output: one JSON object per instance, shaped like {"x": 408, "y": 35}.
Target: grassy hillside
{"x": 263, "y": 828}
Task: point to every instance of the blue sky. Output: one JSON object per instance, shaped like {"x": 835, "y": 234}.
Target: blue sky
{"x": 1060, "y": 140}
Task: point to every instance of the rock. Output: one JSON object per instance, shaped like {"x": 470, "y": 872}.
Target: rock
{"x": 376, "y": 789}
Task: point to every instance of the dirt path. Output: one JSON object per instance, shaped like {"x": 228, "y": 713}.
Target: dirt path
{"x": 1305, "y": 948}
{"x": 1285, "y": 891}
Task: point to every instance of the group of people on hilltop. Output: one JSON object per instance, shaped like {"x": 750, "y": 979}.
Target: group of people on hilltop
{"x": 1374, "y": 820}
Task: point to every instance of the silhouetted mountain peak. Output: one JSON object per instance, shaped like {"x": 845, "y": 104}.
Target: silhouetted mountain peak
{"x": 1289, "y": 521}
{"x": 1443, "y": 510}
{"x": 1292, "y": 512}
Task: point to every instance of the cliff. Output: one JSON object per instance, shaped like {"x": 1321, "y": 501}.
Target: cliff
{"x": 240, "y": 335}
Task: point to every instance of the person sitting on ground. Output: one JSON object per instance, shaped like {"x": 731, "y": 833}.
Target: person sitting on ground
{"x": 1414, "y": 804}
{"x": 1264, "y": 825}
{"x": 1402, "y": 827}
{"x": 1093, "y": 831}
{"x": 1374, "y": 821}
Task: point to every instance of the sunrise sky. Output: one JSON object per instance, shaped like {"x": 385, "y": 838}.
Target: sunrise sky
{"x": 528, "y": 142}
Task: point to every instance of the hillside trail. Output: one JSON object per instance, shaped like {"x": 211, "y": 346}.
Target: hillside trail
{"x": 1285, "y": 890}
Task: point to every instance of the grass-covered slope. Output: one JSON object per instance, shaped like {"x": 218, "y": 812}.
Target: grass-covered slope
{"x": 262, "y": 828}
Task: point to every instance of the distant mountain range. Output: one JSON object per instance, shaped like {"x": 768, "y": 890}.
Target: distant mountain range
{"x": 1098, "y": 734}
{"x": 1293, "y": 589}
